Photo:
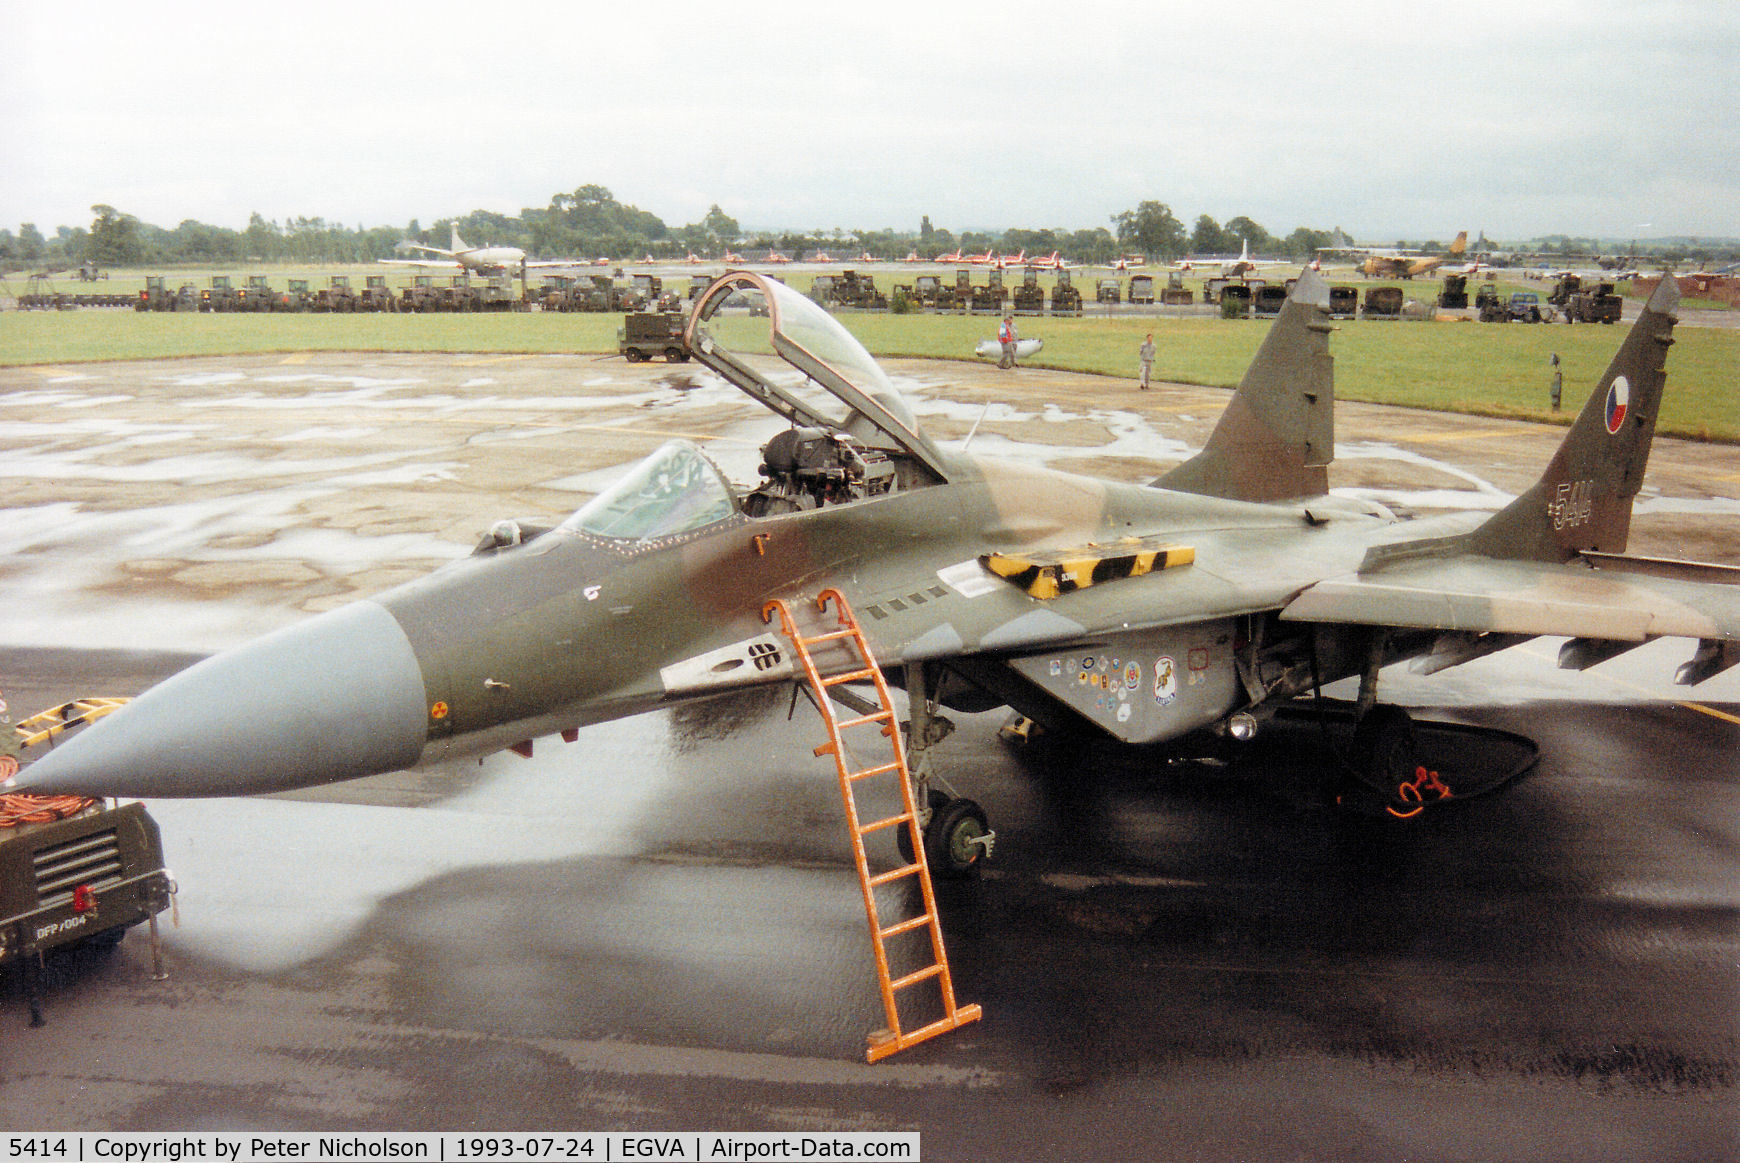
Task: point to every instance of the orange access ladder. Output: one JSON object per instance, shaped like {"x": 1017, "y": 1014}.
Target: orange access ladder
{"x": 891, "y": 1039}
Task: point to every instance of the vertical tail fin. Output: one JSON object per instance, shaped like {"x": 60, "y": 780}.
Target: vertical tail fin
{"x": 1460, "y": 246}
{"x": 1583, "y": 500}
{"x": 458, "y": 242}
{"x": 1276, "y": 438}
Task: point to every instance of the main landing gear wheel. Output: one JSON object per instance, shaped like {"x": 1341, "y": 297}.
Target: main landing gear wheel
{"x": 1385, "y": 758}
{"x": 955, "y": 840}
{"x": 1384, "y": 748}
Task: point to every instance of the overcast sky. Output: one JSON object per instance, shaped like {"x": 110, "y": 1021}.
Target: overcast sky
{"x": 1393, "y": 119}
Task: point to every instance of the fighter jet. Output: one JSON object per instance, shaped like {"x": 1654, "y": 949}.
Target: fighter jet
{"x": 1186, "y": 610}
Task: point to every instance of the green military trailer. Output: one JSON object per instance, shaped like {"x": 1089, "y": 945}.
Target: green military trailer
{"x": 73, "y": 870}
{"x": 644, "y": 334}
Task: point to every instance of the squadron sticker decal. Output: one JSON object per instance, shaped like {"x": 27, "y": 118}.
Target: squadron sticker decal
{"x": 1165, "y": 680}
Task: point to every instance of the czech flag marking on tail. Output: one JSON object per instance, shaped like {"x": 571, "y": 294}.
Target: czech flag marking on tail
{"x": 1618, "y": 397}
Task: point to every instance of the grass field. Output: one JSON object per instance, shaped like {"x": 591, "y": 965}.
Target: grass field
{"x": 1459, "y": 367}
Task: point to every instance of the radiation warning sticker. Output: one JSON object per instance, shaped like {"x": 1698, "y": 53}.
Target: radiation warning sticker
{"x": 438, "y": 711}
{"x": 1165, "y": 680}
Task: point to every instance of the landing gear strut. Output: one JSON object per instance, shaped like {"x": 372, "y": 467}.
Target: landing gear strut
{"x": 957, "y": 834}
{"x": 1385, "y": 755}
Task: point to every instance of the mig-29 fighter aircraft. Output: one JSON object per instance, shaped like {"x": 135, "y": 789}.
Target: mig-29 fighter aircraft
{"x": 1225, "y": 588}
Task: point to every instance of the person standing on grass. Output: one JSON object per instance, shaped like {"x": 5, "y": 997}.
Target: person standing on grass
{"x": 1146, "y": 354}
{"x": 1006, "y": 336}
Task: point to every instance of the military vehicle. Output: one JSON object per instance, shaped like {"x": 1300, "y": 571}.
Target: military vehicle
{"x": 1065, "y": 298}
{"x": 220, "y": 296}
{"x": 1486, "y": 299}
{"x": 1141, "y": 289}
{"x": 73, "y": 870}
{"x": 259, "y": 295}
{"x": 297, "y": 296}
{"x": 499, "y": 293}
{"x": 646, "y": 334}
{"x": 556, "y": 293}
{"x": 1235, "y": 301}
{"x": 336, "y": 296}
{"x": 1522, "y": 307}
{"x": 1108, "y": 291}
{"x": 1383, "y": 303}
{"x": 1268, "y": 299}
{"x": 1343, "y": 302}
{"x": 1029, "y": 297}
{"x": 1566, "y": 286}
{"x": 1184, "y": 612}
{"x": 852, "y": 289}
{"x": 375, "y": 295}
{"x": 1597, "y": 305}
{"x": 156, "y": 296}
{"x": 1455, "y": 293}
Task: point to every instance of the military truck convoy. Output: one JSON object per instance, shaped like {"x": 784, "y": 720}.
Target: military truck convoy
{"x": 73, "y": 870}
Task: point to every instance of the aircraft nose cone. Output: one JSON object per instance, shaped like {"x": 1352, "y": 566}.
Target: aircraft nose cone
{"x": 336, "y": 697}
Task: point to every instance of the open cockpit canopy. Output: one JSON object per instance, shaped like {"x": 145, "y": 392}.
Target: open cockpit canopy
{"x": 833, "y": 383}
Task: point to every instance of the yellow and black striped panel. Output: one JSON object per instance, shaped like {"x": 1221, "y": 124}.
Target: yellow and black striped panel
{"x": 1045, "y": 576}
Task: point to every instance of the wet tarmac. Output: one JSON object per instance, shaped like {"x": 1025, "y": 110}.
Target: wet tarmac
{"x": 658, "y": 926}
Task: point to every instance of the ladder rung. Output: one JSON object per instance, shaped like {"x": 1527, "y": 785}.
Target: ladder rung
{"x": 917, "y": 976}
{"x": 876, "y": 717}
{"x": 882, "y": 878}
{"x": 881, "y": 824}
{"x": 906, "y": 926}
{"x": 891, "y": 1043}
{"x": 831, "y": 636}
{"x": 849, "y": 676}
{"x": 870, "y": 771}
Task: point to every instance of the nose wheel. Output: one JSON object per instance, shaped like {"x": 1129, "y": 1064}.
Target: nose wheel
{"x": 957, "y": 837}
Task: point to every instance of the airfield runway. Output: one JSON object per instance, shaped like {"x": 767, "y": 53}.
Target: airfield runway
{"x": 658, "y": 927}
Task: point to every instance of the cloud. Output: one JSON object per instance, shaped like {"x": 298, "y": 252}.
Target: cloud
{"x": 1550, "y": 116}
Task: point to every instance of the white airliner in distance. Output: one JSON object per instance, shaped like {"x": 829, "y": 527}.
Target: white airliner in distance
{"x": 1232, "y": 268}
{"x": 483, "y": 260}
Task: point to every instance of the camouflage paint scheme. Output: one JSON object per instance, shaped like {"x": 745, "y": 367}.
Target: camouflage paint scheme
{"x": 654, "y": 592}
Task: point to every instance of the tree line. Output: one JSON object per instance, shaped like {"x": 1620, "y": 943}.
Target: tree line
{"x": 591, "y": 223}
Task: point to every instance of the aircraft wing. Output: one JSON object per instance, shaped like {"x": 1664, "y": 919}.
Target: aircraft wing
{"x": 1475, "y": 594}
{"x": 419, "y": 262}
{"x": 537, "y": 264}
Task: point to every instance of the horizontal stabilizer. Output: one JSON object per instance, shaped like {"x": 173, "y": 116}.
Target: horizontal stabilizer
{"x": 1479, "y": 595}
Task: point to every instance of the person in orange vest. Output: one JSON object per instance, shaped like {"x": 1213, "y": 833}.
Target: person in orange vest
{"x": 1006, "y": 336}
